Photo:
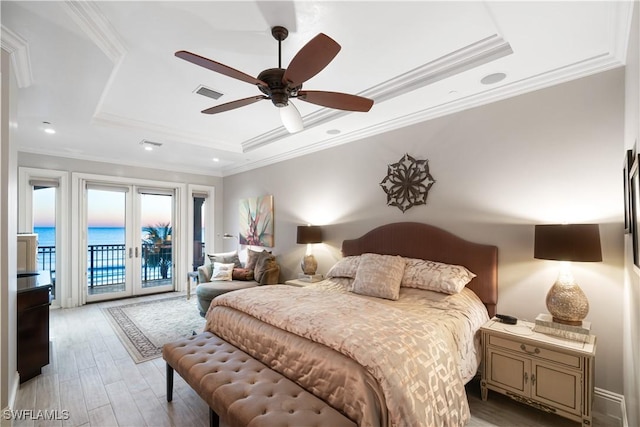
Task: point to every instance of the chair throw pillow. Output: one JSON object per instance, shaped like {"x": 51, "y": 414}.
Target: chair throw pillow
{"x": 435, "y": 276}
{"x": 252, "y": 258}
{"x": 226, "y": 258}
{"x": 379, "y": 276}
{"x": 266, "y": 261}
{"x": 242, "y": 274}
{"x": 222, "y": 271}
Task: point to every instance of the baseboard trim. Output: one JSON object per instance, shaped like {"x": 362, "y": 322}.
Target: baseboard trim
{"x": 611, "y": 404}
{"x": 13, "y": 395}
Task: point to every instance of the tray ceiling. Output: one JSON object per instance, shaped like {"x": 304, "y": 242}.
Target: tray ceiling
{"x": 105, "y": 77}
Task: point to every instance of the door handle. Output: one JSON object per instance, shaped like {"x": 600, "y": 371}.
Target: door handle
{"x": 526, "y": 377}
{"x": 136, "y": 252}
{"x": 130, "y": 252}
{"x": 533, "y": 379}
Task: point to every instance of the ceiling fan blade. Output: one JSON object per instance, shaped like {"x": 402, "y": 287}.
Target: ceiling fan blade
{"x": 340, "y": 101}
{"x": 218, "y": 67}
{"x": 234, "y": 104}
{"x": 310, "y": 60}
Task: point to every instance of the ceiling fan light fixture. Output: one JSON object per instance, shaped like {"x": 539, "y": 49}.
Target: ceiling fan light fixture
{"x": 281, "y": 84}
{"x": 291, "y": 118}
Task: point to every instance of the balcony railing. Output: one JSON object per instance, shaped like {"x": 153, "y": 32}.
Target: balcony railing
{"x": 106, "y": 263}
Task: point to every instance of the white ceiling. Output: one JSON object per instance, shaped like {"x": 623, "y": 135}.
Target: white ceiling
{"x": 105, "y": 76}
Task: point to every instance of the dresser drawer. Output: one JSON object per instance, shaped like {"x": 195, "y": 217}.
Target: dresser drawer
{"x": 33, "y": 298}
{"x": 537, "y": 351}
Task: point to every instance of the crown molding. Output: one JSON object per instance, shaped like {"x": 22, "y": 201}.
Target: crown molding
{"x": 97, "y": 27}
{"x": 192, "y": 170}
{"x": 18, "y": 48}
{"x": 594, "y": 65}
{"x": 620, "y": 27}
{"x": 466, "y": 58}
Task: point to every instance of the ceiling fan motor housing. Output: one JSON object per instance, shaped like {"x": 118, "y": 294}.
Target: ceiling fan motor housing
{"x": 277, "y": 91}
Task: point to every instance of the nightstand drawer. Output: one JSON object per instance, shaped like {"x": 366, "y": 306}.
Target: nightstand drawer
{"x": 518, "y": 346}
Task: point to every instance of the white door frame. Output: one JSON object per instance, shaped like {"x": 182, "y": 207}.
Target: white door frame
{"x": 25, "y": 224}
{"x": 78, "y": 232}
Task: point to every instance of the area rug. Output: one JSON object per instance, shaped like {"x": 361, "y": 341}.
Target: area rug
{"x": 143, "y": 327}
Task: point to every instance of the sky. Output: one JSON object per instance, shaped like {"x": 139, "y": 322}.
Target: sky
{"x": 105, "y": 208}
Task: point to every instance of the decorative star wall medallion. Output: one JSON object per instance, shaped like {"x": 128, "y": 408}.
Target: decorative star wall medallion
{"x": 407, "y": 183}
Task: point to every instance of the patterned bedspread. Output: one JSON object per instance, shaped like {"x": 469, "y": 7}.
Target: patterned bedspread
{"x": 420, "y": 349}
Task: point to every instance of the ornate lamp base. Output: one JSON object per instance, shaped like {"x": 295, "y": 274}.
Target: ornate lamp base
{"x": 566, "y": 302}
{"x": 309, "y": 265}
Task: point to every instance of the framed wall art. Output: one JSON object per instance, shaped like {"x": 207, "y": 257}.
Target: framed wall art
{"x": 634, "y": 212}
{"x": 626, "y": 178}
{"x": 256, "y": 221}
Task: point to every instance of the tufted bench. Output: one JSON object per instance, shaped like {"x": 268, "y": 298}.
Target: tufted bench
{"x": 241, "y": 390}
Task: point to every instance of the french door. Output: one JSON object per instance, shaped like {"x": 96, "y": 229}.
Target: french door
{"x": 128, "y": 240}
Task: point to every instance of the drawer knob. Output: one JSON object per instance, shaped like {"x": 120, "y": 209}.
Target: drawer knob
{"x": 524, "y": 348}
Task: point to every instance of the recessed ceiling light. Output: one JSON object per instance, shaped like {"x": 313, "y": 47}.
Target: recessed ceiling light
{"x": 215, "y": 159}
{"x": 149, "y": 145}
{"x": 333, "y": 131}
{"x": 48, "y": 129}
{"x": 493, "y": 78}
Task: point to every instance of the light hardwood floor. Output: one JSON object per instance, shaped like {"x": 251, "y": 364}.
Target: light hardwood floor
{"x": 92, "y": 376}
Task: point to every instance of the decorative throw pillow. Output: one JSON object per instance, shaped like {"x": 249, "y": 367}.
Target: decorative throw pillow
{"x": 346, "y": 267}
{"x": 226, "y": 258}
{"x": 435, "y": 276}
{"x": 379, "y": 276}
{"x": 242, "y": 274}
{"x": 222, "y": 271}
{"x": 252, "y": 258}
{"x": 265, "y": 261}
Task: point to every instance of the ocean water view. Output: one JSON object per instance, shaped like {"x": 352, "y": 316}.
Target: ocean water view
{"x": 97, "y": 235}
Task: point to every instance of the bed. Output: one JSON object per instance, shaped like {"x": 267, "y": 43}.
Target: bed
{"x": 378, "y": 360}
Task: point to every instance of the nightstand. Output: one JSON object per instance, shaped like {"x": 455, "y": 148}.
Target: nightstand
{"x": 298, "y": 283}
{"x": 547, "y": 372}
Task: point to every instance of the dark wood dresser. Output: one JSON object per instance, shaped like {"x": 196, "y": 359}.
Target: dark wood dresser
{"x": 34, "y": 298}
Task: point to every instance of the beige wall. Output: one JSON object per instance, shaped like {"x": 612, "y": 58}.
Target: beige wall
{"x": 554, "y": 155}
{"x": 8, "y": 230}
{"x": 631, "y": 322}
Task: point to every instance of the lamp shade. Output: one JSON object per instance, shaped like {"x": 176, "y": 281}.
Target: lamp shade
{"x": 568, "y": 242}
{"x": 291, "y": 118}
{"x": 309, "y": 234}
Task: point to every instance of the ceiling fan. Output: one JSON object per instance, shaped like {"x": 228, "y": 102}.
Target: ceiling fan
{"x": 281, "y": 85}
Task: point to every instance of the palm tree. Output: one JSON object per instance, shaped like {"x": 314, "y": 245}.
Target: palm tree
{"x": 157, "y": 243}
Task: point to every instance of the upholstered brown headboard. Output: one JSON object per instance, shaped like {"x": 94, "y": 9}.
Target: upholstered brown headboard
{"x": 417, "y": 240}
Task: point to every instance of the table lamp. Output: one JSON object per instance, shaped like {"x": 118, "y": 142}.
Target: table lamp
{"x": 309, "y": 234}
{"x": 566, "y": 302}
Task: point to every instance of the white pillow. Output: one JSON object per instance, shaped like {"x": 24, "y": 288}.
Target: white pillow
{"x": 379, "y": 276}
{"x": 435, "y": 276}
{"x": 346, "y": 267}
{"x": 222, "y": 271}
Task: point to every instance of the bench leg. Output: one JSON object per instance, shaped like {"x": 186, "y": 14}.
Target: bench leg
{"x": 169, "y": 383}
{"x": 214, "y": 420}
